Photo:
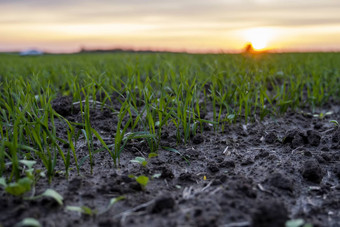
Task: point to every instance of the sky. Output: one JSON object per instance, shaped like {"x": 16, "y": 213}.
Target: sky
{"x": 176, "y": 25}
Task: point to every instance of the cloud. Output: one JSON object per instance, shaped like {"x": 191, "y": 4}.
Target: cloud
{"x": 158, "y": 19}
{"x": 163, "y": 13}
{"x": 291, "y": 13}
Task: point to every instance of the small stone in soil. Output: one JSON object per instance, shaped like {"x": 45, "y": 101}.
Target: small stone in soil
{"x": 312, "y": 171}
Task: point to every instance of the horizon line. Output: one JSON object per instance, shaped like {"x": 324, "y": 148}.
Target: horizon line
{"x": 174, "y": 50}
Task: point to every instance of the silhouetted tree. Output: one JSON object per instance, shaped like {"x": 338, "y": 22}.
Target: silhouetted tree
{"x": 249, "y": 48}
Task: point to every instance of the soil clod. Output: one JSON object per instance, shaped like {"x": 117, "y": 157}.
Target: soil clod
{"x": 270, "y": 213}
{"x": 197, "y": 139}
{"x": 162, "y": 203}
{"x": 63, "y": 105}
{"x": 312, "y": 171}
{"x": 270, "y": 138}
{"x": 212, "y": 166}
{"x": 280, "y": 181}
{"x": 313, "y": 138}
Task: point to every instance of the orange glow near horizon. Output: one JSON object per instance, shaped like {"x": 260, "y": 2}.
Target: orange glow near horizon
{"x": 186, "y": 25}
{"x": 73, "y": 37}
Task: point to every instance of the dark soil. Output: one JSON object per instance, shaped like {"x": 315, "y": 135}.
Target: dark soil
{"x": 255, "y": 174}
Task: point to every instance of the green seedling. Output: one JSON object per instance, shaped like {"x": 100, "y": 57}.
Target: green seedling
{"x": 152, "y": 92}
{"x": 93, "y": 212}
{"x": 230, "y": 117}
{"x": 29, "y": 164}
{"x": 322, "y": 115}
{"x": 142, "y": 161}
{"x": 124, "y": 140}
{"x": 177, "y": 152}
{"x": 24, "y": 184}
{"x": 297, "y": 223}
{"x": 29, "y": 222}
{"x": 50, "y": 193}
{"x": 156, "y": 175}
{"x": 142, "y": 180}
{"x": 17, "y": 188}
{"x": 88, "y": 130}
{"x": 111, "y": 203}
{"x": 335, "y": 123}
{"x": 83, "y": 210}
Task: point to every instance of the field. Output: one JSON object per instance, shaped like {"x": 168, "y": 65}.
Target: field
{"x": 137, "y": 139}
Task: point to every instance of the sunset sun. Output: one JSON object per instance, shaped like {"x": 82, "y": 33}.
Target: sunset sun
{"x": 259, "y": 42}
{"x": 258, "y": 37}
